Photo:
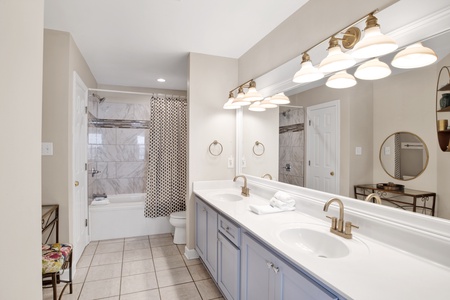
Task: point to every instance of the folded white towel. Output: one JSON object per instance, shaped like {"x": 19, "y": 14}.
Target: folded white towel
{"x": 267, "y": 209}
{"x": 100, "y": 202}
{"x": 282, "y": 196}
{"x": 282, "y": 204}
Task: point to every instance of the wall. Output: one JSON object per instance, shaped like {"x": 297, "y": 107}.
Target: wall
{"x": 21, "y": 33}
{"x": 120, "y": 154}
{"x": 314, "y": 22}
{"x": 61, "y": 58}
{"x": 210, "y": 78}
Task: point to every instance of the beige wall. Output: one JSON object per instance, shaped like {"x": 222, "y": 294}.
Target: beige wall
{"x": 61, "y": 58}
{"x": 314, "y": 22}
{"x": 210, "y": 80}
{"x": 21, "y": 31}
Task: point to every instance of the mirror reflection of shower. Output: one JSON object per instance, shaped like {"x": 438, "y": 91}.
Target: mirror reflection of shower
{"x": 100, "y": 99}
{"x": 291, "y": 145}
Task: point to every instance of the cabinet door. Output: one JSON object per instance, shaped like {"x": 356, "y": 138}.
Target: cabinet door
{"x": 228, "y": 268}
{"x": 292, "y": 284}
{"x": 257, "y": 281}
{"x": 211, "y": 241}
{"x": 200, "y": 228}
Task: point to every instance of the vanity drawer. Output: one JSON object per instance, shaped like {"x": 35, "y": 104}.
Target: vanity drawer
{"x": 230, "y": 230}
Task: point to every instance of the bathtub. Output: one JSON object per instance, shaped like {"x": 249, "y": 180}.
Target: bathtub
{"x": 124, "y": 217}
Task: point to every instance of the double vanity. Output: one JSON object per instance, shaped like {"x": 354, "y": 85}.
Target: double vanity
{"x": 389, "y": 254}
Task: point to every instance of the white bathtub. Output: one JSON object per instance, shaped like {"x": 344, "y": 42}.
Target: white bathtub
{"x": 124, "y": 217}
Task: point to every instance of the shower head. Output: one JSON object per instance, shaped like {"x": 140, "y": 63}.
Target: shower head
{"x": 100, "y": 99}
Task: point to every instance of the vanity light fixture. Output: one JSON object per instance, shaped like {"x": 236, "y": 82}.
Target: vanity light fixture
{"x": 229, "y": 104}
{"x": 414, "y": 56}
{"x": 374, "y": 43}
{"x": 341, "y": 80}
{"x": 256, "y": 106}
{"x": 252, "y": 94}
{"x": 267, "y": 104}
{"x": 239, "y": 100}
{"x": 279, "y": 98}
{"x": 372, "y": 70}
{"x": 336, "y": 60}
{"x": 307, "y": 72}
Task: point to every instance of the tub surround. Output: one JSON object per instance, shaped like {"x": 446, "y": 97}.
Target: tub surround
{"x": 393, "y": 255}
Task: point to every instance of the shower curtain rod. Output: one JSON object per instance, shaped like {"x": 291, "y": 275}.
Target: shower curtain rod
{"x": 133, "y": 93}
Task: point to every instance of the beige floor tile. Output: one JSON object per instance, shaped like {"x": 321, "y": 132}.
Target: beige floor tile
{"x": 198, "y": 272}
{"x": 173, "y": 276}
{"x": 208, "y": 290}
{"x": 136, "y": 238}
{"x": 157, "y": 236}
{"x": 181, "y": 248}
{"x": 191, "y": 262}
{"x": 80, "y": 275}
{"x": 138, "y": 254}
{"x": 139, "y": 244}
{"x": 84, "y": 261}
{"x": 100, "y": 289}
{"x": 186, "y": 291}
{"x": 108, "y": 248}
{"x": 137, "y": 267}
{"x": 165, "y": 251}
{"x": 161, "y": 241}
{"x": 169, "y": 262}
{"x": 121, "y": 240}
{"x": 90, "y": 249}
{"x": 145, "y": 295}
{"x": 107, "y": 258}
{"x": 138, "y": 283}
{"x": 104, "y": 272}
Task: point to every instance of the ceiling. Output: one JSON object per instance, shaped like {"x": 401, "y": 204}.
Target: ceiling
{"x": 135, "y": 42}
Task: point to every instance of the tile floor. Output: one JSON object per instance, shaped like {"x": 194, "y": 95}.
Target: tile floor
{"x": 147, "y": 267}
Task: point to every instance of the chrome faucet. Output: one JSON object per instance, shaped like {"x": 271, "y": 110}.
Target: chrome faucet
{"x": 268, "y": 176}
{"x": 337, "y": 225}
{"x": 372, "y": 196}
{"x": 94, "y": 172}
{"x": 245, "y": 190}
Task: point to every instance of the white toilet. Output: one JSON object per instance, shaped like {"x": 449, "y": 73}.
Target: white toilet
{"x": 178, "y": 220}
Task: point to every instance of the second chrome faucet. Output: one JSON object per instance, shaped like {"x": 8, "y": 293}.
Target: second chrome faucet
{"x": 245, "y": 190}
{"x": 337, "y": 225}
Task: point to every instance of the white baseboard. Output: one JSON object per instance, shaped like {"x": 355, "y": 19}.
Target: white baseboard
{"x": 190, "y": 253}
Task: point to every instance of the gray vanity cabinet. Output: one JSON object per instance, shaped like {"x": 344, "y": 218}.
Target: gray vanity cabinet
{"x": 266, "y": 277}
{"x": 206, "y": 235}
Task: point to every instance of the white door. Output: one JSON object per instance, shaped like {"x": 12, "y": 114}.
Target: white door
{"x": 79, "y": 160}
{"x": 323, "y": 147}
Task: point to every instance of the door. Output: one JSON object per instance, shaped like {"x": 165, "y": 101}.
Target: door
{"x": 323, "y": 147}
{"x": 79, "y": 173}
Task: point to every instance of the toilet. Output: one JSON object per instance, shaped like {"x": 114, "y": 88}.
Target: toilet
{"x": 178, "y": 220}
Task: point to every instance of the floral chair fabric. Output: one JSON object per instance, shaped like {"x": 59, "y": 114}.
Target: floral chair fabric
{"x": 54, "y": 256}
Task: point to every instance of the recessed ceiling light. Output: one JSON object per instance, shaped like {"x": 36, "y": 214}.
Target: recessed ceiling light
{"x": 161, "y": 80}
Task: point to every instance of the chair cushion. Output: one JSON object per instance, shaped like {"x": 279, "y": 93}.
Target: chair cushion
{"x": 54, "y": 256}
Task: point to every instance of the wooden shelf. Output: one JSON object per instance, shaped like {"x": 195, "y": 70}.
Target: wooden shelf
{"x": 442, "y": 135}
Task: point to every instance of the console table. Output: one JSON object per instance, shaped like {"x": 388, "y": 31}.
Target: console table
{"x": 405, "y": 198}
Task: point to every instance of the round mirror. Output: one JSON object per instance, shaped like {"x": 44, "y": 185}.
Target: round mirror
{"x": 403, "y": 155}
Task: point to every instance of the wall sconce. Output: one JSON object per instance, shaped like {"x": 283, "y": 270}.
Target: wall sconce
{"x": 414, "y": 56}
{"x": 267, "y": 104}
{"x": 252, "y": 94}
{"x": 229, "y": 104}
{"x": 307, "y": 72}
{"x": 374, "y": 43}
{"x": 279, "y": 98}
{"x": 341, "y": 80}
{"x": 256, "y": 106}
{"x": 239, "y": 100}
{"x": 372, "y": 70}
{"x": 336, "y": 60}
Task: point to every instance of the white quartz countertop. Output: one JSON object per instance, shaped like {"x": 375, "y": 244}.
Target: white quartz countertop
{"x": 372, "y": 270}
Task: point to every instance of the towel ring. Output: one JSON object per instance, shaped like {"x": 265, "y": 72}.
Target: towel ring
{"x": 257, "y": 144}
{"x": 215, "y": 143}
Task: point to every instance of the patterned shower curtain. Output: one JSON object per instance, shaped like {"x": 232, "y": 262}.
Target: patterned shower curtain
{"x": 397, "y": 164}
{"x": 167, "y": 157}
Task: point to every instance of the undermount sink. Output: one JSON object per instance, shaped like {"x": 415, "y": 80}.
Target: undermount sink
{"x": 227, "y": 197}
{"x": 319, "y": 242}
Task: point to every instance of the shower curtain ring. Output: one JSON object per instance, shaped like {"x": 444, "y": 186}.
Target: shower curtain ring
{"x": 257, "y": 144}
{"x": 215, "y": 143}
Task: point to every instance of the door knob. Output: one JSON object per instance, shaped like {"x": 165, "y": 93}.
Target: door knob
{"x": 77, "y": 183}
{"x": 332, "y": 173}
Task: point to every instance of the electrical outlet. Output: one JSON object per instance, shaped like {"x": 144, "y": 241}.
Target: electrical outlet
{"x": 387, "y": 150}
{"x": 358, "y": 150}
{"x": 47, "y": 149}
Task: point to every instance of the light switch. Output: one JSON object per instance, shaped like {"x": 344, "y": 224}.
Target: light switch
{"x": 244, "y": 163}
{"x": 230, "y": 162}
{"x": 47, "y": 148}
{"x": 358, "y": 150}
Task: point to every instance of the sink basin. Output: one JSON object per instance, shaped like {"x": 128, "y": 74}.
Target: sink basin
{"x": 317, "y": 241}
{"x": 227, "y": 197}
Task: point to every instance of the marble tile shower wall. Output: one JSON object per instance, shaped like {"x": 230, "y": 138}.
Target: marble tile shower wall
{"x": 120, "y": 154}
{"x": 292, "y": 145}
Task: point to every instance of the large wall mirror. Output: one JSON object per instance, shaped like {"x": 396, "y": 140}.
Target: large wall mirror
{"x": 404, "y": 155}
{"x": 364, "y": 109}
